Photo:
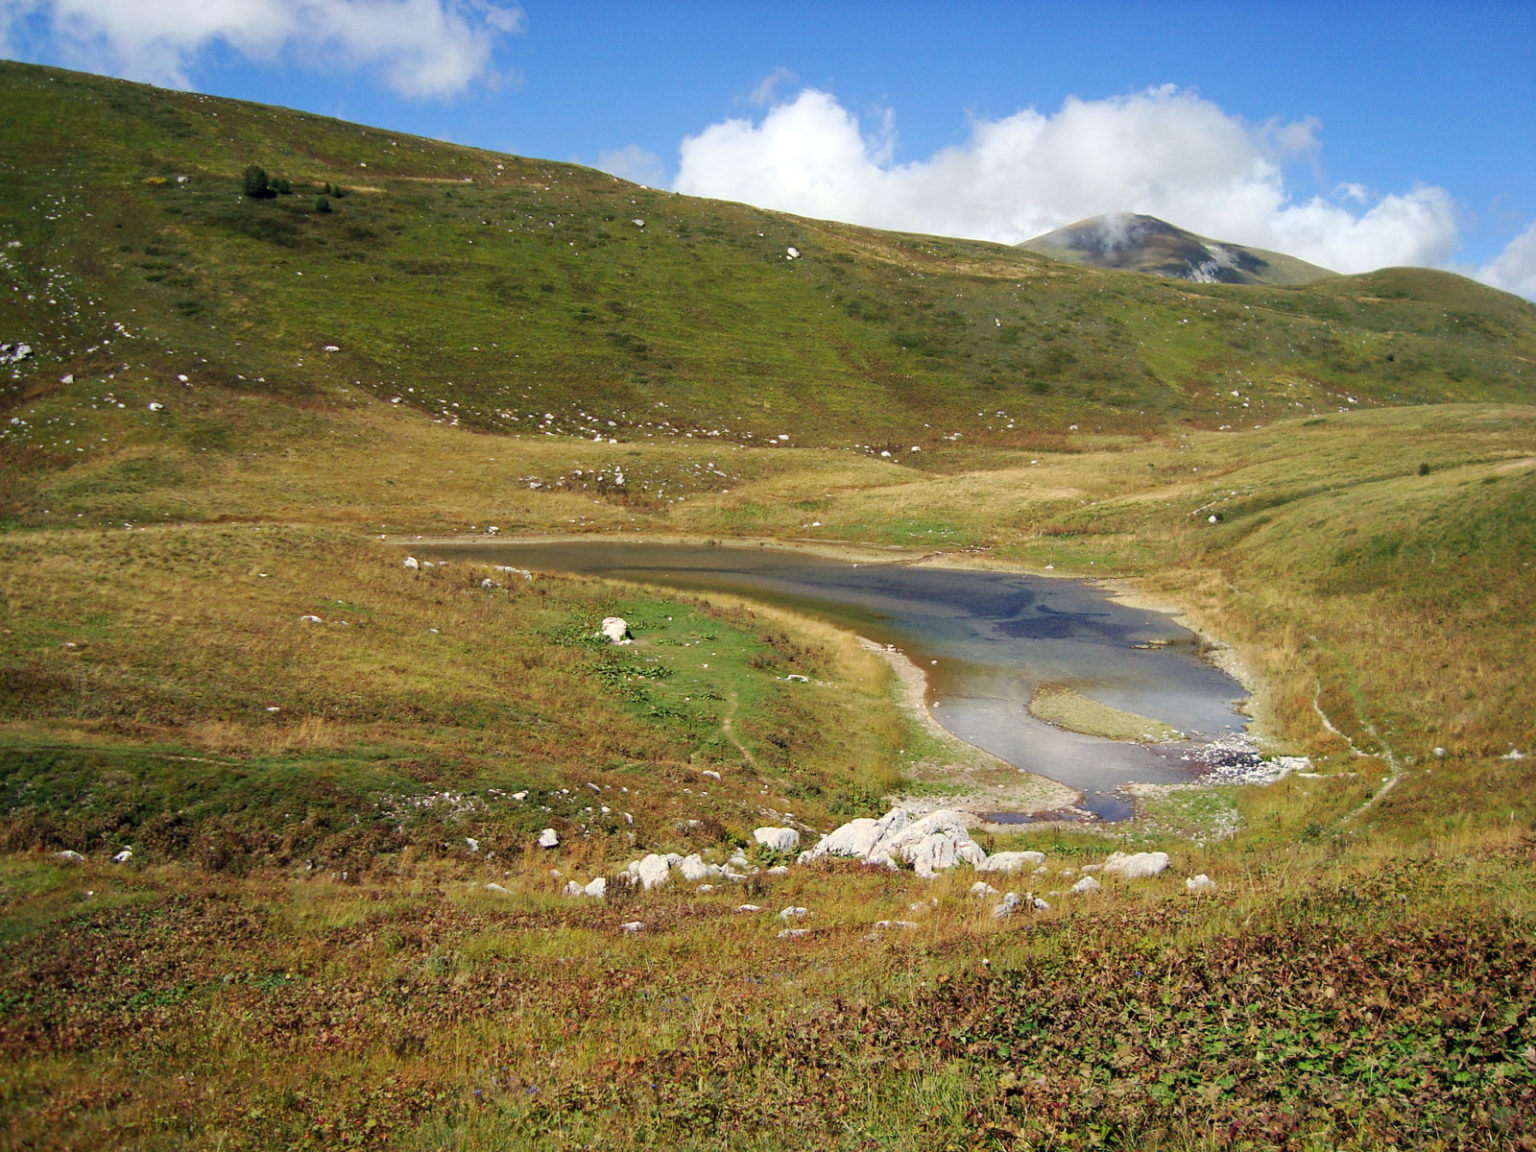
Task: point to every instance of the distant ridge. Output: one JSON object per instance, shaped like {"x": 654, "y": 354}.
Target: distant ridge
{"x": 1146, "y": 244}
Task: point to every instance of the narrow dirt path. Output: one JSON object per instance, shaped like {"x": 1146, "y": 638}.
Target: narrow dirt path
{"x": 727, "y": 727}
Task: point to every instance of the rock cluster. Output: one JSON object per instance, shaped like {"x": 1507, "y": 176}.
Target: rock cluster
{"x": 929, "y": 845}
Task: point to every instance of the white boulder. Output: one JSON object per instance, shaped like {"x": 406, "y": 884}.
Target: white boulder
{"x": 596, "y": 888}
{"x": 411, "y": 562}
{"x": 653, "y": 869}
{"x": 1136, "y": 865}
{"x": 1011, "y": 861}
{"x": 616, "y": 629}
{"x": 549, "y": 838}
{"x": 1200, "y": 883}
{"x": 937, "y": 842}
{"x": 1087, "y": 884}
{"x": 777, "y": 839}
{"x": 1005, "y": 909}
{"x": 70, "y": 856}
{"x": 694, "y": 869}
{"x": 123, "y": 857}
{"x": 793, "y": 913}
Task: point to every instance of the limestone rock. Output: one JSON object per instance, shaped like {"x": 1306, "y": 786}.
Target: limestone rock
{"x": 1011, "y": 861}
{"x": 1200, "y": 883}
{"x": 1137, "y": 865}
{"x": 70, "y": 856}
{"x": 777, "y": 839}
{"x": 1087, "y": 884}
{"x": 653, "y": 869}
{"x": 596, "y": 888}
{"x": 549, "y": 838}
{"x": 616, "y": 629}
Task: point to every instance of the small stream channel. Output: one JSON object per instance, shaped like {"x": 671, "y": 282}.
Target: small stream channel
{"x": 985, "y": 640}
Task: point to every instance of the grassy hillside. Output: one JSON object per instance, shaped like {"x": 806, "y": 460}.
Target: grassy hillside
{"x": 335, "y": 926}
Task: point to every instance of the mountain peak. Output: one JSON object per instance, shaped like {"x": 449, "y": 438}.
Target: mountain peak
{"x": 1139, "y": 243}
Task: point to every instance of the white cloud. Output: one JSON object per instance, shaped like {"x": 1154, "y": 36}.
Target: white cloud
{"x": 423, "y": 48}
{"x": 1514, "y": 269}
{"x": 1164, "y": 152}
{"x": 633, "y": 162}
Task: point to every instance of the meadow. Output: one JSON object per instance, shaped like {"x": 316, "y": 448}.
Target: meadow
{"x": 335, "y": 926}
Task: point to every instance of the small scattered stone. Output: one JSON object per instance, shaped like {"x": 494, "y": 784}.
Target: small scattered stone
{"x": 549, "y": 838}
{"x": 1200, "y": 883}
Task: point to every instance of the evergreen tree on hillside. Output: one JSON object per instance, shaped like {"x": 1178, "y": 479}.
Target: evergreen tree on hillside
{"x": 255, "y": 182}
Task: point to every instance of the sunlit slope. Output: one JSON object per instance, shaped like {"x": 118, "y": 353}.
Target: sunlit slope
{"x": 516, "y": 295}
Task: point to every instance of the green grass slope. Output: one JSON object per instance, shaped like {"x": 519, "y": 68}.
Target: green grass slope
{"x": 336, "y": 927}
{"x": 506, "y": 294}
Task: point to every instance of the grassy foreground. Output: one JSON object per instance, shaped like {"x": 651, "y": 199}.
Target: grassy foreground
{"x": 333, "y": 925}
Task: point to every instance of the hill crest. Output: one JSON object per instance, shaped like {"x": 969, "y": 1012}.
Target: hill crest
{"x": 1139, "y": 243}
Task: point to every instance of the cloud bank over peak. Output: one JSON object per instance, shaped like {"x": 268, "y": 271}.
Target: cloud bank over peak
{"x": 1165, "y": 152}
{"x": 421, "y": 48}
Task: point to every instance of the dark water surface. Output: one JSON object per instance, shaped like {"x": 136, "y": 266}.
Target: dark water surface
{"x": 985, "y": 639}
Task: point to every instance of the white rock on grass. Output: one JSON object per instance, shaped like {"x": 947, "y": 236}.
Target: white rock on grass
{"x": 572, "y": 888}
{"x": 1200, "y": 883}
{"x": 494, "y": 887}
{"x": 793, "y": 933}
{"x": 549, "y": 838}
{"x": 597, "y": 888}
{"x": 653, "y": 869}
{"x": 616, "y": 629}
{"x": 1087, "y": 884}
{"x": 937, "y": 842}
{"x": 123, "y": 857}
{"x": 907, "y": 925}
{"x": 748, "y": 908}
{"x": 1005, "y": 909}
{"x": 411, "y": 562}
{"x": 70, "y": 856}
{"x": 694, "y": 869}
{"x": 632, "y": 927}
{"x": 1137, "y": 865}
{"x": 934, "y": 844}
{"x": 793, "y": 912}
{"x": 1011, "y": 861}
{"x": 982, "y": 888}
{"x": 777, "y": 839}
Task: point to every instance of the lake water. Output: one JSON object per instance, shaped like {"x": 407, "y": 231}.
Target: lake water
{"x": 985, "y": 639}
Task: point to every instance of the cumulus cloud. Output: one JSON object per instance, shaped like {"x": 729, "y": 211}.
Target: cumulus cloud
{"x": 1514, "y": 269}
{"x": 422, "y": 48}
{"x": 633, "y": 162}
{"x": 1165, "y": 152}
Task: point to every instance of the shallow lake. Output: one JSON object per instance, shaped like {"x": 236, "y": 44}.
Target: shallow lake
{"x": 985, "y": 639}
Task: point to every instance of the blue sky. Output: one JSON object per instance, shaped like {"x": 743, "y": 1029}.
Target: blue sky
{"x": 1354, "y": 135}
